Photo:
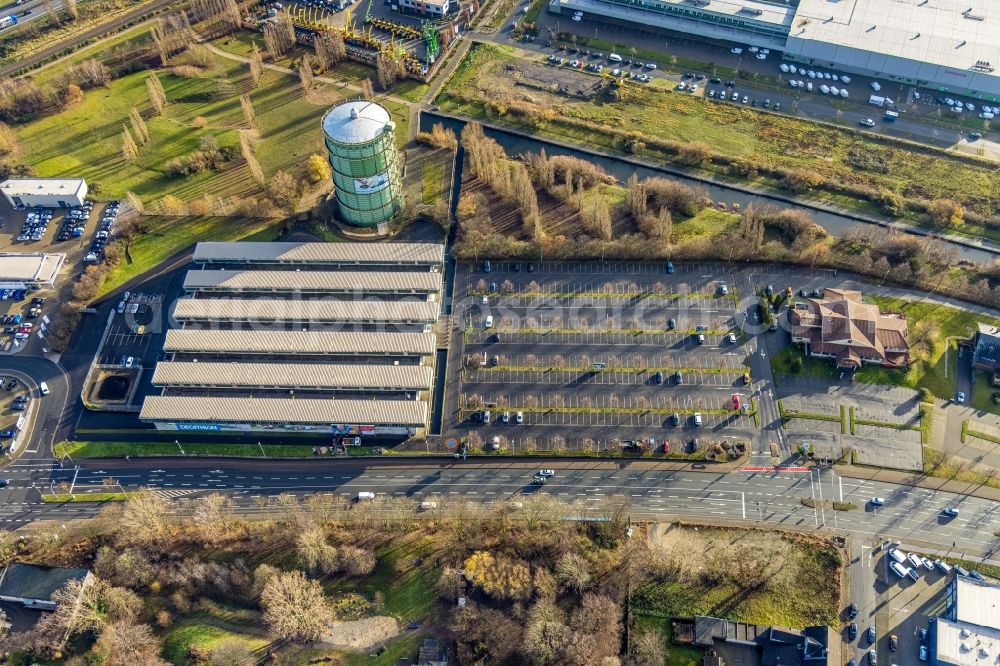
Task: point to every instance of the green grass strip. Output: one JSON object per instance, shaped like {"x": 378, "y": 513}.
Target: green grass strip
{"x": 813, "y": 416}
{"x": 609, "y": 410}
{"x": 84, "y": 497}
{"x": 590, "y": 331}
{"x": 982, "y": 435}
{"x": 886, "y": 424}
{"x": 965, "y": 431}
{"x": 139, "y": 449}
{"x": 843, "y": 420}
{"x": 852, "y": 420}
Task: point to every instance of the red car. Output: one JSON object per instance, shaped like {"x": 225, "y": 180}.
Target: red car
{"x": 736, "y": 401}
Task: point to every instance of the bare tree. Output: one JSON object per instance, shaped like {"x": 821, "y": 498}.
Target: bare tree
{"x": 572, "y": 571}
{"x": 314, "y": 552}
{"x": 214, "y": 513}
{"x": 249, "y": 115}
{"x": 139, "y": 126}
{"x": 367, "y": 89}
{"x": 157, "y": 96}
{"x": 305, "y": 73}
{"x": 279, "y": 34}
{"x": 284, "y": 190}
{"x": 143, "y": 519}
{"x": 130, "y": 151}
{"x": 256, "y": 64}
{"x": 295, "y": 607}
{"x": 126, "y": 643}
{"x": 72, "y": 9}
{"x": 246, "y": 149}
{"x": 356, "y": 561}
{"x": 8, "y": 546}
{"x": 330, "y": 48}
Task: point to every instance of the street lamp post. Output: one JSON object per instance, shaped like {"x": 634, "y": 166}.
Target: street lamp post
{"x": 177, "y": 442}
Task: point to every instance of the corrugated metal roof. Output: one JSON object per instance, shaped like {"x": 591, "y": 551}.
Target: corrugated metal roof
{"x": 265, "y": 309}
{"x": 356, "y": 121}
{"x": 324, "y": 253}
{"x": 302, "y": 375}
{"x": 284, "y": 410}
{"x": 299, "y": 342}
{"x": 330, "y": 281}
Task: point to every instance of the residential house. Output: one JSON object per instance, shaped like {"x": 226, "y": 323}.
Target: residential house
{"x": 33, "y": 586}
{"x": 432, "y": 654}
{"x": 732, "y": 643}
{"x": 840, "y": 326}
{"x": 986, "y": 351}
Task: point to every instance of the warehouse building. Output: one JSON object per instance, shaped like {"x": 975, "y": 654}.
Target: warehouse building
{"x": 289, "y": 311}
{"x": 337, "y": 417}
{"x": 29, "y": 270}
{"x": 337, "y": 339}
{"x": 313, "y": 282}
{"x": 945, "y": 45}
{"x": 233, "y": 344}
{"x": 298, "y": 376}
{"x": 968, "y": 633}
{"x": 44, "y": 192}
{"x": 311, "y": 256}
{"x": 758, "y": 22}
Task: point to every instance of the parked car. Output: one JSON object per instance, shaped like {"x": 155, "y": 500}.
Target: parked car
{"x": 950, "y": 512}
{"x": 877, "y": 501}
{"x": 852, "y": 630}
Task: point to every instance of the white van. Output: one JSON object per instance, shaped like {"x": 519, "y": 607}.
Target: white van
{"x": 899, "y": 569}
{"x": 898, "y": 555}
{"x": 43, "y": 388}
{"x": 364, "y": 496}
{"x": 614, "y": 57}
{"x": 489, "y": 321}
{"x": 697, "y": 418}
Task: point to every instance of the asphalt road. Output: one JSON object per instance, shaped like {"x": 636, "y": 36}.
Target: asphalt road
{"x": 772, "y": 498}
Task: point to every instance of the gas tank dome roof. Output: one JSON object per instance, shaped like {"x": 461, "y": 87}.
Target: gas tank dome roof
{"x": 355, "y": 122}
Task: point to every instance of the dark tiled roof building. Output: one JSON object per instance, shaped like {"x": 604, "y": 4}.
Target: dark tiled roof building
{"x": 840, "y": 326}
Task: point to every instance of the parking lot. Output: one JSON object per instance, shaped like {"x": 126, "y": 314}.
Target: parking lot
{"x": 593, "y": 354}
{"x": 895, "y": 606}
{"x": 81, "y": 234}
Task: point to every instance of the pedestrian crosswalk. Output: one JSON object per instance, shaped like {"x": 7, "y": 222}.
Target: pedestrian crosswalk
{"x": 172, "y": 494}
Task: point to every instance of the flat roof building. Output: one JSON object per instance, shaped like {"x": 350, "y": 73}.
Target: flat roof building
{"x": 45, "y": 192}
{"x": 298, "y": 376}
{"x": 23, "y": 270}
{"x": 423, "y": 255}
{"x": 305, "y": 343}
{"x": 968, "y": 634}
{"x": 330, "y": 282}
{"x": 948, "y": 45}
{"x": 318, "y": 311}
{"x": 756, "y": 22}
{"x": 33, "y": 586}
{"x": 244, "y": 361}
{"x": 255, "y": 414}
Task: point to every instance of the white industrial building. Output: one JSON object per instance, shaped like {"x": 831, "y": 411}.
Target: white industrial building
{"x": 29, "y": 270}
{"x": 968, "y": 634}
{"x": 44, "y": 192}
{"x": 330, "y": 338}
{"x": 946, "y": 45}
{"x": 758, "y": 22}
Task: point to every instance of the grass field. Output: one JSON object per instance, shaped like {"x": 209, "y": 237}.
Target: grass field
{"x": 121, "y": 449}
{"x": 405, "y": 577}
{"x": 811, "y": 367}
{"x": 808, "y": 594}
{"x": 677, "y": 655}
{"x": 178, "y": 640}
{"x": 767, "y": 138}
{"x": 99, "y": 51}
{"x": 933, "y": 329}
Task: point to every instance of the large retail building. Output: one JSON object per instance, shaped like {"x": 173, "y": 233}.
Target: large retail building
{"x": 945, "y": 45}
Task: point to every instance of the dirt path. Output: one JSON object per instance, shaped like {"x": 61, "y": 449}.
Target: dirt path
{"x": 361, "y": 635}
